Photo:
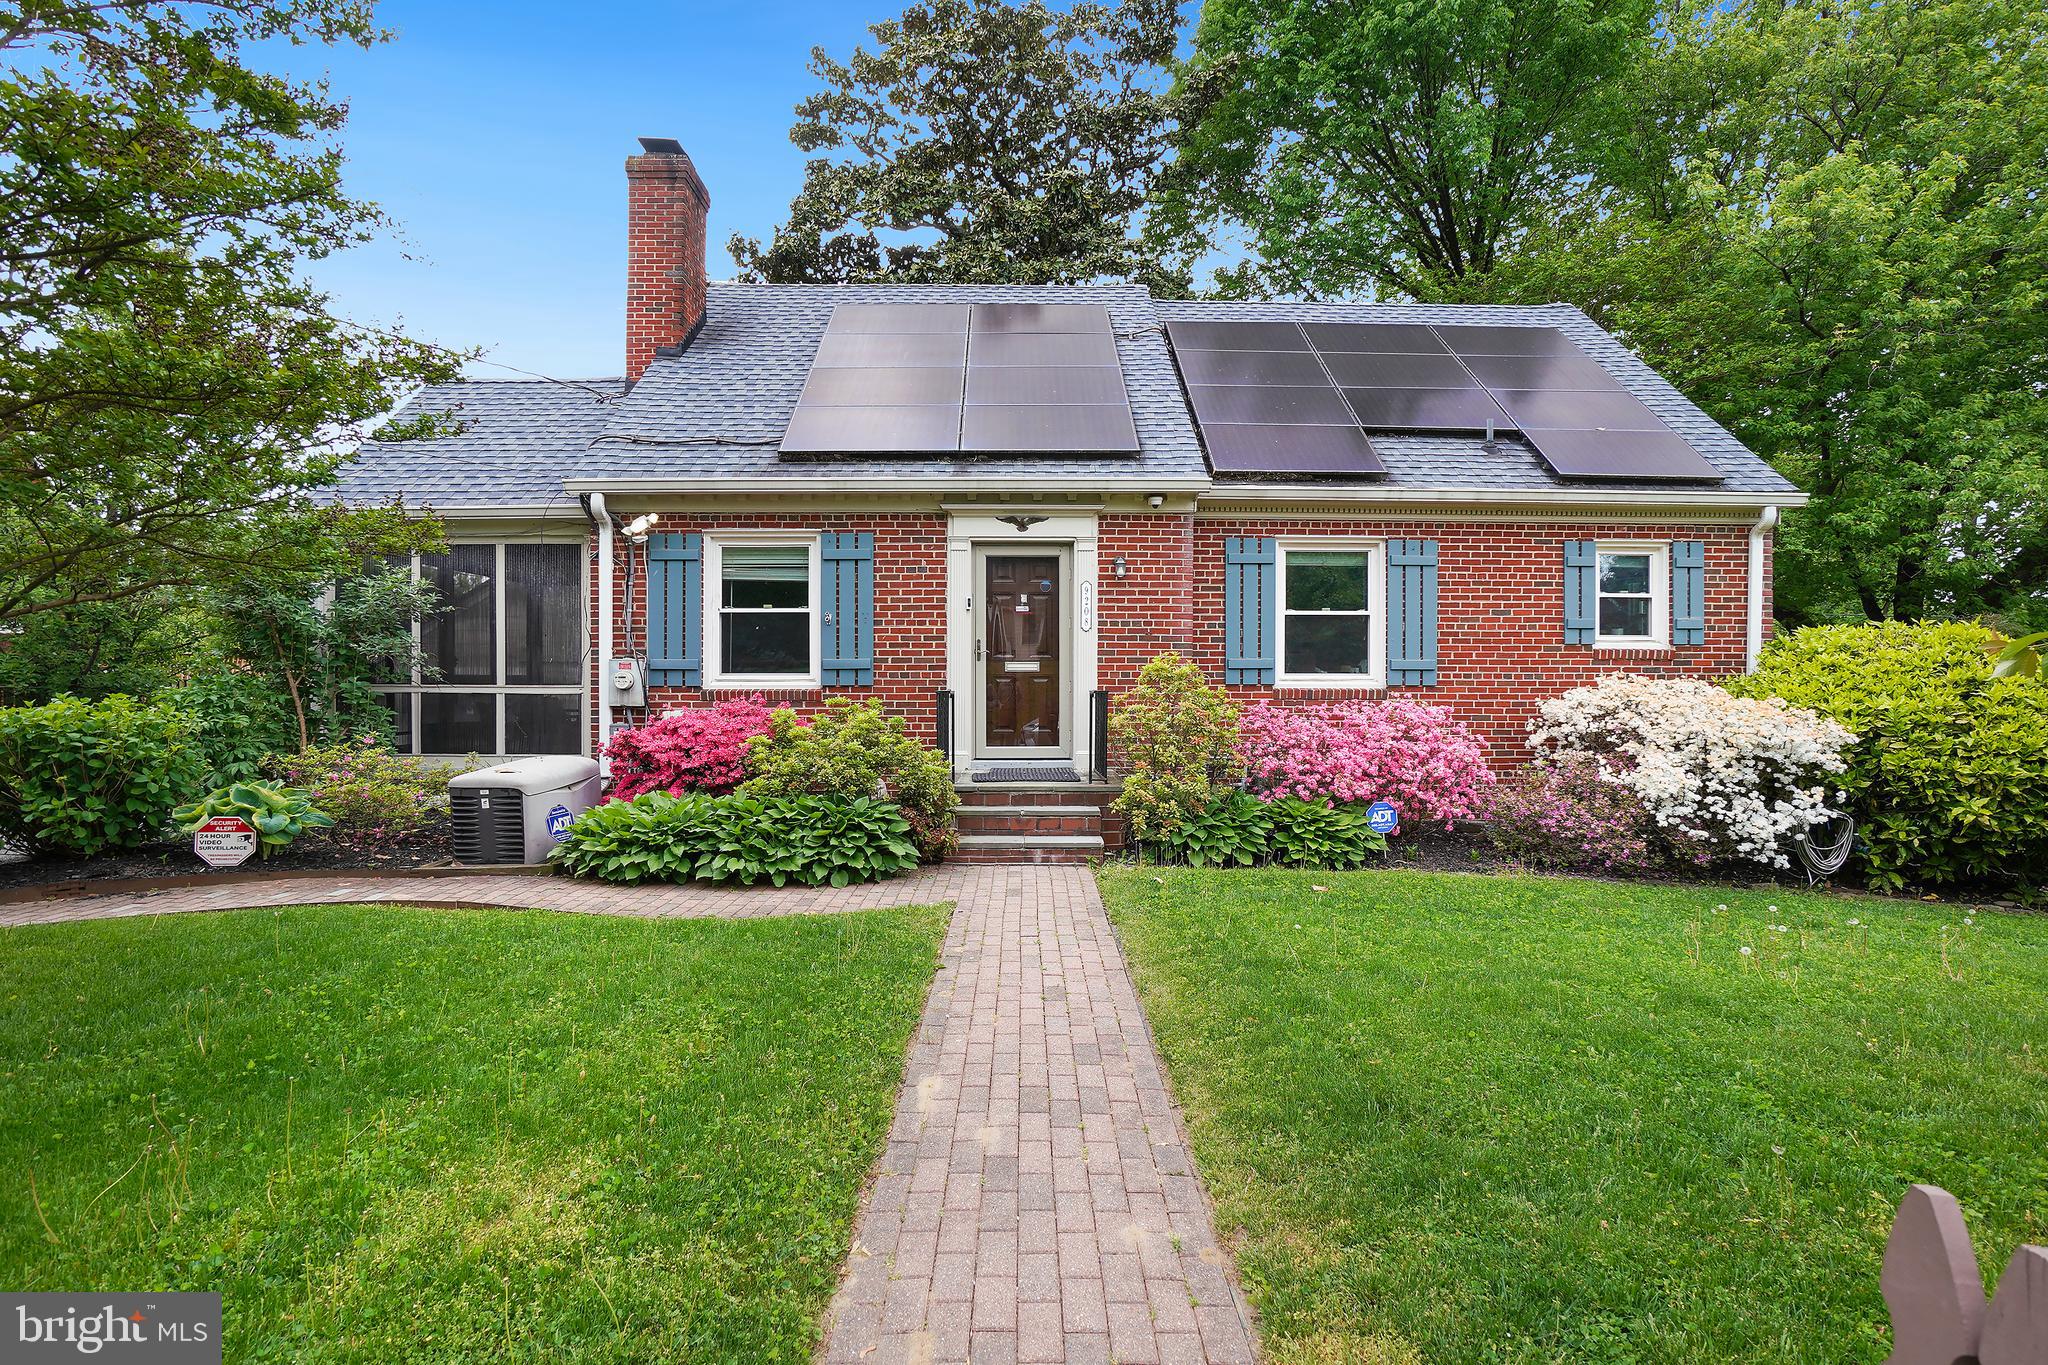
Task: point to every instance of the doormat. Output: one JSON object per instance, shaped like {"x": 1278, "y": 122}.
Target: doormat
{"x": 1023, "y": 774}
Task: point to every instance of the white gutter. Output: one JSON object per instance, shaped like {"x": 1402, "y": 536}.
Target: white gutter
{"x": 1495, "y": 497}
{"x": 602, "y": 520}
{"x": 1764, "y": 526}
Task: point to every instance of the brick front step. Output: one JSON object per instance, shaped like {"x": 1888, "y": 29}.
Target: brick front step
{"x": 1027, "y": 848}
{"x": 1036, "y": 793}
{"x": 1031, "y": 820}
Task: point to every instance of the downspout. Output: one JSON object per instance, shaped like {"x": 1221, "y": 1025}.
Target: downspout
{"x": 593, "y": 504}
{"x": 1765, "y": 524}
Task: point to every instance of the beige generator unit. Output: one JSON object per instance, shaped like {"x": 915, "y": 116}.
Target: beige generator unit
{"x": 516, "y": 812}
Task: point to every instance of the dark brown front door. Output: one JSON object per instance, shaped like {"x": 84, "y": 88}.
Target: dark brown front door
{"x": 1021, "y": 652}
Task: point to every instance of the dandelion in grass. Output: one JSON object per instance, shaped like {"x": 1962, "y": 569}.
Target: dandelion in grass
{"x": 1854, "y": 922}
{"x": 1747, "y": 950}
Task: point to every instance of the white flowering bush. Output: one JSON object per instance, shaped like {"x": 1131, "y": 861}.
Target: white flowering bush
{"x": 1722, "y": 777}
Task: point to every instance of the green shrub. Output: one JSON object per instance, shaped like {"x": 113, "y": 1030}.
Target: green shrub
{"x": 278, "y": 814}
{"x": 1178, "y": 740}
{"x": 854, "y": 750}
{"x": 1948, "y": 779}
{"x": 82, "y": 777}
{"x": 372, "y": 793}
{"x": 812, "y": 840}
{"x": 237, "y": 720}
{"x": 1238, "y": 829}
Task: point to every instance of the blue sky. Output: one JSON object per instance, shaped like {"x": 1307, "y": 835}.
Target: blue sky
{"x": 497, "y": 135}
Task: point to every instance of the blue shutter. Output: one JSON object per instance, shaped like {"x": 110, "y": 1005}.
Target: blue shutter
{"x": 846, "y": 617}
{"x": 1688, "y": 592}
{"x": 675, "y": 610}
{"x": 1411, "y": 613}
{"x": 1248, "y": 616}
{"x": 1581, "y": 590}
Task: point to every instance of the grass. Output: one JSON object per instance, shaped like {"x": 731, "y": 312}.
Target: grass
{"x": 394, "y": 1134}
{"x": 1461, "y": 1118}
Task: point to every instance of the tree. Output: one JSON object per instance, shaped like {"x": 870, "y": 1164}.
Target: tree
{"x": 1388, "y": 148}
{"x": 172, "y": 391}
{"x": 985, "y": 142}
{"x": 1829, "y": 226}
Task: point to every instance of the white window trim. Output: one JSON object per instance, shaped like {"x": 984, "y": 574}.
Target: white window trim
{"x": 1659, "y": 552}
{"x": 715, "y": 545}
{"x": 409, "y": 693}
{"x": 1375, "y": 606}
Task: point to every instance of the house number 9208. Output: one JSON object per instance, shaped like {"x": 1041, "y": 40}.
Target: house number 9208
{"x": 1087, "y": 606}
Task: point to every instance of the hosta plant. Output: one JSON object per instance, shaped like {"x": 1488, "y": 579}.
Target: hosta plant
{"x": 811, "y": 840}
{"x": 1238, "y": 829}
{"x": 278, "y": 814}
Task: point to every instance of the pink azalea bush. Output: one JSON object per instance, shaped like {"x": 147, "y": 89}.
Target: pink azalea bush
{"x": 1431, "y": 767}
{"x": 702, "y": 749}
{"x": 1564, "y": 813}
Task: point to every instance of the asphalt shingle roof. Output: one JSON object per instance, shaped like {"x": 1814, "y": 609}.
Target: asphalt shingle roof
{"x": 717, "y": 411}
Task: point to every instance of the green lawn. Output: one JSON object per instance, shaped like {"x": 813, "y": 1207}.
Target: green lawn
{"x": 1461, "y": 1118}
{"x": 393, "y": 1134}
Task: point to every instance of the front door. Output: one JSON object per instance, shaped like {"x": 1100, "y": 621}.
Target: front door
{"x": 1023, "y": 630}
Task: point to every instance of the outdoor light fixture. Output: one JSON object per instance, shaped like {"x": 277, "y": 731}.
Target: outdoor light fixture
{"x": 638, "y": 529}
{"x": 1117, "y": 567}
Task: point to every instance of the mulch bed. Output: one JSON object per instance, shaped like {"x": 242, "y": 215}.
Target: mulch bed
{"x": 176, "y": 859}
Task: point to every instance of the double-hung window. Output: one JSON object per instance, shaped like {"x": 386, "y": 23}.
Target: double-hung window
{"x": 763, "y": 610}
{"x": 1332, "y": 613}
{"x": 506, "y": 658}
{"x": 1634, "y": 595}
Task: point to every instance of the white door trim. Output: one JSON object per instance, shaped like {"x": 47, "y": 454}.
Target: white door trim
{"x": 966, "y": 532}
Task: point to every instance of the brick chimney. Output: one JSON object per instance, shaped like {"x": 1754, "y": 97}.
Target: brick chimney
{"x": 666, "y": 204}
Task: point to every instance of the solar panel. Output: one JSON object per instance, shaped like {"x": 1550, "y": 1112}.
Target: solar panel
{"x": 1540, "y": 372}
{"x": 844, "y": 388}
{"x": 1045, "y": 384}
{"x": 1425, "y": 409}
{"x": 1239, "y": 448}
{"x": 1236, "y": 336}
{"x": 1251, "y": 367}
{"x": 1039, "y": 317}
{"x": 1621, "y": 455}
{"x": 1579, "y": 409}
{"x": 1257, "y": 399}
{"x": 1391, "y": 337}
{"x": 1394, "y": 371}
{"x": 899, "y": 317}
{"x": 1476, "y": 339}
{"x": 1297, "y": 405}
{"x": 942, "y": 378}
{"x": 1069, "y": 427}
{"x": 1041, "y": 348}
{"x": 872, "y": 430}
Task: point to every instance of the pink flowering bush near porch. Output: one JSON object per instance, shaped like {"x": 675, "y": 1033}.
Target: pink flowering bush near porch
{"x": 702, "y": 749}
{"x": 1431, "y": 767}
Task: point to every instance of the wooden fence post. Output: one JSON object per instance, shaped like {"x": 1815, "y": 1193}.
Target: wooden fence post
{"x": 1931, "y": 1282}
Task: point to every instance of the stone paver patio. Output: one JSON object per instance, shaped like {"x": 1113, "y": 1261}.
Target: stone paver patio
{"x": 1036, "y": 1200}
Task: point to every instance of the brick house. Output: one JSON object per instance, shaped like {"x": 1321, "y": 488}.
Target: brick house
{"x": 990, "y": 505}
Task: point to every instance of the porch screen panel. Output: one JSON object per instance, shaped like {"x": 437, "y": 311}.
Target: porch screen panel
{"x": 543, "y": 615}
{"x": 462, "y": 641}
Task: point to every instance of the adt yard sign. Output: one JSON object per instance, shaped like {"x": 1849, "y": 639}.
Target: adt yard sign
{"x": 1383, "y": 818}
{"x": 559, "y": 820}
{"x": 225, "y": 841}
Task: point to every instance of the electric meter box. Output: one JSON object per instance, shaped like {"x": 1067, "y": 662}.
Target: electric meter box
{"x": 517, "y": 812}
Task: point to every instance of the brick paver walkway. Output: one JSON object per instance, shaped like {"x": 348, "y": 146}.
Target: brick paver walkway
{"x": 1036, "y": 1201}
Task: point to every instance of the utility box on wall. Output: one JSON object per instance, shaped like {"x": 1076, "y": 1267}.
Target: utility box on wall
{"x": 517, "y": 812}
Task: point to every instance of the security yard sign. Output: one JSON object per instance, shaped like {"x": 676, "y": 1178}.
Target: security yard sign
{"x": 225, "y": 841}
{"x": 1382, "y": 818}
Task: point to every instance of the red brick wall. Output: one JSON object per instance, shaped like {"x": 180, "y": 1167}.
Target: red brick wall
{"x": 1500, "y": 631}
{"x": 1500, "y": 619}
{"x": 910, "y": 608}
{"x": 666, "y": 206}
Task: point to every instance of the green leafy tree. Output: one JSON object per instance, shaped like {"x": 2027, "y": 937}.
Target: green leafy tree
{"x": 1830, "y": 226}
{"x": 1390, "y": 148}
{"x": 985, "y": 142}
{"x": 172, "y": 390}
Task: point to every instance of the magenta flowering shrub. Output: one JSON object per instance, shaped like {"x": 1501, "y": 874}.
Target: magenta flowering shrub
{"x": 1419, "y": 757}
{"x": 1564, "y": 813}
{"x": 701, "y": 749}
